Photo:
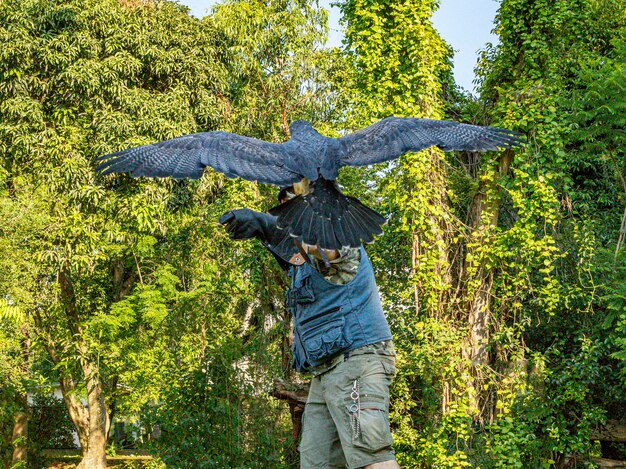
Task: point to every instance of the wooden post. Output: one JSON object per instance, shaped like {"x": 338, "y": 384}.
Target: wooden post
{"x": 295, "y": 394}
{"x": 612, "y": 431}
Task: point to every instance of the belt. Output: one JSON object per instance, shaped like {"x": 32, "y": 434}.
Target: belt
{"x": 384, "y": 348}
{"x": 379, "y": 348}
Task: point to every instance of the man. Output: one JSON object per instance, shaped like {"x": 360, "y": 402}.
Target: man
{"x": 341, "y": 336}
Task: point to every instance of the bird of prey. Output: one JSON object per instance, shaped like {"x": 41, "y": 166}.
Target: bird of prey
{"x": 322, "y": 216}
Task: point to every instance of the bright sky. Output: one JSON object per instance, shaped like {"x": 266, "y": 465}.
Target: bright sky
{"x": 465, "y": 24}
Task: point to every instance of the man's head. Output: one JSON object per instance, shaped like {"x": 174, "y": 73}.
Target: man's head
{"x": 289, "y": 192}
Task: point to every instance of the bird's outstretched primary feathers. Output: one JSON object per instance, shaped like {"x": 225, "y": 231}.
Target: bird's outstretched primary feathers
{"x": 325, "y": 216}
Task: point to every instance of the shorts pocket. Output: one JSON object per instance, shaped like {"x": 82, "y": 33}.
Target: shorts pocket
{"x": 389, "y": 367}
{"x": 372, "y": 423}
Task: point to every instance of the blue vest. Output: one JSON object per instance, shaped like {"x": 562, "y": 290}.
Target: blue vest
{"x": 329, "y": 319}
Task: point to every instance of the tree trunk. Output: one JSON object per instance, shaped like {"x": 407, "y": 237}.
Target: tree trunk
{"x": 415, "y": 253}
{"x": 430, "y": 247}
{"x": 91, "y": 423}
{"x": 479, "y": 281}
{"x": 479, "y": 317}
{"x": 20, "y": 433}
{"x": 20, "y": 423}
{"x": 111, "y": 403}
{"x": 94, "y": 454}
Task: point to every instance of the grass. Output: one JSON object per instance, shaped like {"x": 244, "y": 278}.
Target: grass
{"x": 123, "y": 459}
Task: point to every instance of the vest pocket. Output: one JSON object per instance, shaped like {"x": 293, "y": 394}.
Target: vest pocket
{"x": 323, "y": 314}
{"x": 325, "y": 340}
{"x": 301, "y": 294}
{"x": 305, "y": 295}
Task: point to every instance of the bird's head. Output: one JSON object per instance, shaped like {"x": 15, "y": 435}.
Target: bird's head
{"x": 300, "y": 126}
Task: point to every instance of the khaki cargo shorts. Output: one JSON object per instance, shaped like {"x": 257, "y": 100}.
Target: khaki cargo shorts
{"x": 346, "y": 418}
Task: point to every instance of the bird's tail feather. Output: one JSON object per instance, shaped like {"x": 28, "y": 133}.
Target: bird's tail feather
{"x": 327, "y": 218}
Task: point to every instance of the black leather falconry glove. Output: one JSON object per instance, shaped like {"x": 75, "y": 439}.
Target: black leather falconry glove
{"x": 244, "y": 223}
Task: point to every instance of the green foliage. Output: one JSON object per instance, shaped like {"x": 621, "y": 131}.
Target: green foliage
{"x": 402, "y": 67}
{"x": 399, "y": 59}
{"x": 49, "y": 427}
{"x": 524, "y": 228}
{"x": 596, "y": 139}
{"x": 184, "y": 329}
{"x": 210, "y": 416}
{"x": 276, "y": 65}
{"x": 544, "y": 77}
{"x": 12, "y": 383}
{"x": 134, "y": 279}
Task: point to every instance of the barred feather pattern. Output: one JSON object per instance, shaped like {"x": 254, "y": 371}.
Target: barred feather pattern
{"x": 187, "y": 156}
{"x": 395, "y": 136}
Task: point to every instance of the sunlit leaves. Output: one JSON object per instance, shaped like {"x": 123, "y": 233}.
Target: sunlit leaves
{"x": 545, "y": 78}
{"x": 136, "y": 277}
{"x": 274, "y": 54}
{"x": 76, "y": 84}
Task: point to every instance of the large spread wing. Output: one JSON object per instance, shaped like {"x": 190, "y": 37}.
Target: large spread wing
{"x": 395, "y": 136}
{"x": 187, "y": 156}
